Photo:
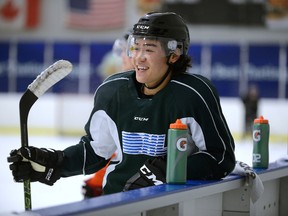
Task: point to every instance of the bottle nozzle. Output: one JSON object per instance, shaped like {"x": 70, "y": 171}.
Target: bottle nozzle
{"x": 261, "y": 120}
{"x": 178, "y": 125}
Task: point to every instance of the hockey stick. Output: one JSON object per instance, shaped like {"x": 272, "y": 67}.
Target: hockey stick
{"x": 38, "y": 87}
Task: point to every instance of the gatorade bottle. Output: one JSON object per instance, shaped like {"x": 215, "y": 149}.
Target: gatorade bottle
{"x": 261, "y": 143}
{"x": 177, "y": 153}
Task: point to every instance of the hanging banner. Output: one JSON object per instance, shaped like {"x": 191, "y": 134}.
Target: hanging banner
{"x": 19, "y": 14}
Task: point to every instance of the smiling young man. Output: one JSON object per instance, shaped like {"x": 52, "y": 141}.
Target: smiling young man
{"x": 132, "y": 113}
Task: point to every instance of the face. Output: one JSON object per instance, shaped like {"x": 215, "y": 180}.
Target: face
{"x": 149, "y": 61}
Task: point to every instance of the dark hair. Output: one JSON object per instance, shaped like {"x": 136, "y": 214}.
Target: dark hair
{"x": 181, "y": 65}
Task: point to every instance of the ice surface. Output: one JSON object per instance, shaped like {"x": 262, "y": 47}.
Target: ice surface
{"x": 68, "y": 190}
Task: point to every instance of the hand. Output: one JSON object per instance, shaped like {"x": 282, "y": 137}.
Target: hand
{"x": 153, "y": 172}
{"x": 36, "y": 164}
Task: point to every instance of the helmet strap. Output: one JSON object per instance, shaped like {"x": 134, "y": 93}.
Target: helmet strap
{"x": 160, "y": 82}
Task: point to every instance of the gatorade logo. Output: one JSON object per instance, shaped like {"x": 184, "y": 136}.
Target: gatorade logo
{"x": 182, "y": 144}
{"x": 256, "y": 135}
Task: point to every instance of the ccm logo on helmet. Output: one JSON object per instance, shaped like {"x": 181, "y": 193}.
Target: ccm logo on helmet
{"x": 142, "y": 27}
{"x": 150, "y": 175}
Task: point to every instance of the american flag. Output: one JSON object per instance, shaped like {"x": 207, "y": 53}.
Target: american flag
{"x": 96, "y": 14}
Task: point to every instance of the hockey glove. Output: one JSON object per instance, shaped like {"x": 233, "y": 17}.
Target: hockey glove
{"x": 153, "y": 172}
{"x": 34, "y": 164}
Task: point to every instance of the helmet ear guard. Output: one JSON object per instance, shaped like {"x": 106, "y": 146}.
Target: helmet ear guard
{"x": 172, "y": 45}
{"x": 175, "y": 47}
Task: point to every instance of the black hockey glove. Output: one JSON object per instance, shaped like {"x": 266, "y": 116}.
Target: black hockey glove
{"x": 36, "y": 164}
{"x": 153, "y": 172}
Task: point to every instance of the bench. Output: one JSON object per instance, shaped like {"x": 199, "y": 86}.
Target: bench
{"x": 224, "y": 197}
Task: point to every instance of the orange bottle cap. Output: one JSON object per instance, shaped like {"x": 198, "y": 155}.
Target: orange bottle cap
{"x": 178, "y": 125}
{"x": 261, "y": 120}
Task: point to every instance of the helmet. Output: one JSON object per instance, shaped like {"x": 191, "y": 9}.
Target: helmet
{"x": 165, "y": 25}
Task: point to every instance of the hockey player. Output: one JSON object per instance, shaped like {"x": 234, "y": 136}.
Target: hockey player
{"x": 132, "y": 113}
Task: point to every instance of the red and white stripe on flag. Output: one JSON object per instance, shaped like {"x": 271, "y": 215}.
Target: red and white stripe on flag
{"x": 96, "y": 14}
{"x": 19, "y": 14}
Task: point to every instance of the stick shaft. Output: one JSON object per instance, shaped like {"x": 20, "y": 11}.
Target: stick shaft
{"x": 26, "y": 102}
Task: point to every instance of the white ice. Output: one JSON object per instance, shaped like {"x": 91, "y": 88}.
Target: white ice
{"x": 68, "y": 190}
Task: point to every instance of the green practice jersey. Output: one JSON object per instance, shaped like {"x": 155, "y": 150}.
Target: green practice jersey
{"x": 135, "y": 127}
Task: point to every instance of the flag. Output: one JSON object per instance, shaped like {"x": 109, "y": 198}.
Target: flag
{"x": 19, "y": 14}
{"x": 96, "y": 14}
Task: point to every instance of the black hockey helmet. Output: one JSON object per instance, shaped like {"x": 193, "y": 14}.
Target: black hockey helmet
{"x": 165, "y": 25}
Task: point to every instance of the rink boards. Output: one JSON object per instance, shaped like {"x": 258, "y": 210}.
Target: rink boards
{"x": 229, "y": 196}
{"x": 230, "y": 66}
